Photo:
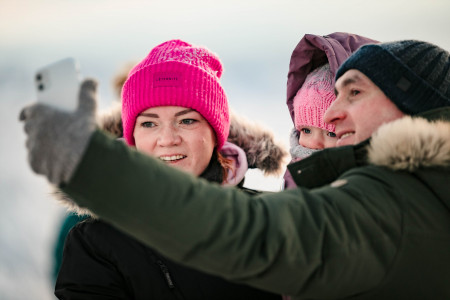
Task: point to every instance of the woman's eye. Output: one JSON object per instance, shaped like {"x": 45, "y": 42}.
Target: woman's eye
{"x": 148, "y": 124}
{"x": 331, "y": 134}
{"x": 306, "y": 130}
{"x": 188, "y": 121}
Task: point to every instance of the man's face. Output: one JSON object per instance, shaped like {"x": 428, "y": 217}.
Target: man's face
{"x": 359, "y": 109}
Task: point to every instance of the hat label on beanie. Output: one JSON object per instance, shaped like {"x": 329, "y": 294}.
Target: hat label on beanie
{"x": 167, "y": 79}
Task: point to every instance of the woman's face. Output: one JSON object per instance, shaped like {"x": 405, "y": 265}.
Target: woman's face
{"x": 179, "y": 136}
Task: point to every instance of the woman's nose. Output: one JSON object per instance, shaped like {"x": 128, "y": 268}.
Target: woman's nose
{"x": 168, "y": 136}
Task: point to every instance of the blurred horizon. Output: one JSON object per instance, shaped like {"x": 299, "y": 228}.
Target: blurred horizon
{"x": 254, "y": 40}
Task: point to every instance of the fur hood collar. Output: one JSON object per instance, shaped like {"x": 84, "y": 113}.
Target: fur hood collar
{"x": 411, "y": 143}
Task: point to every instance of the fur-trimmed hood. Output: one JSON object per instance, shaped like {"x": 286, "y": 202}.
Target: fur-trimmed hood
{"x": 411, "y": 143}
{"x": 258, "y": 143}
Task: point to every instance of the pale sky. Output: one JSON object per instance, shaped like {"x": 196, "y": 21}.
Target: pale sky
{"x": 253, "y": 38}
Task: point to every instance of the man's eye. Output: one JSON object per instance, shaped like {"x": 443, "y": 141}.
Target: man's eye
{"x": 354, "y": 92}
{"x": 188, "y": 121}
{"x": 305, "y": 130}
{"x": 331, "y": 134}
{"x": 147, "y": 124}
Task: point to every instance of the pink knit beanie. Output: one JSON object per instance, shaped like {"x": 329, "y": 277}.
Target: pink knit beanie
{"x": 177, "y": 73}
{"x": 313, "y": 99}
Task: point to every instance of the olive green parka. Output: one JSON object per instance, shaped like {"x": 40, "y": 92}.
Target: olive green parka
{"x": 376, "y": 225}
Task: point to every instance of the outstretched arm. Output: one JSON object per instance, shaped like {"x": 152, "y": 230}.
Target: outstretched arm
{"x": 294, "y": 242}
{"x": 326, "y": 242}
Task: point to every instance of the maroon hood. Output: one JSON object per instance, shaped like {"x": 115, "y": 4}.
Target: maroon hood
{"x": 315, "y": 50}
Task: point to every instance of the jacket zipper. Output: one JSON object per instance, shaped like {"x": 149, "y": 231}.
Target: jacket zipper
{"x": 166, "y": 273}
{"x": 167, "y": 276}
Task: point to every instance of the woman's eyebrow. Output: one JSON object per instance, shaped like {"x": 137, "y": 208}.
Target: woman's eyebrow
{"x": 149, "y": 115}
{"x": 153, "y": 115}
{"x": 183, "y": 112}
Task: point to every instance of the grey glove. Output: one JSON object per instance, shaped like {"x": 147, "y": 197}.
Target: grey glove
{"x": 57, "y": 139}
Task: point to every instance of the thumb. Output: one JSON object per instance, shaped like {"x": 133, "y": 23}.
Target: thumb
{"x": 87, "y": 100}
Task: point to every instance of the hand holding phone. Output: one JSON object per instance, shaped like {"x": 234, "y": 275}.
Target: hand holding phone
{"x": 58, "y": 84}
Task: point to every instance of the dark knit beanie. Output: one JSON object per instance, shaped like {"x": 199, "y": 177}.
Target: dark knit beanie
{"x": 415, "y": 75}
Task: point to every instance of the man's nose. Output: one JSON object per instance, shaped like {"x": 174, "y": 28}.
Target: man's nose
{"x": 334, "y": 112}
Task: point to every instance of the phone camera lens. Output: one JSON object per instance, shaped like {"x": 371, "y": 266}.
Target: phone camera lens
{"x": 38, "y": 77}
{"x": 41, "y": 87}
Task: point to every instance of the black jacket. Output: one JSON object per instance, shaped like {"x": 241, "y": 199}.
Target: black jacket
{"x": 103, "y": 263}
{"x": 100, "y": 262}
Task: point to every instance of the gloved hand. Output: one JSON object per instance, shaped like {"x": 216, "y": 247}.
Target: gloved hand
{"x": 57, "y": 139}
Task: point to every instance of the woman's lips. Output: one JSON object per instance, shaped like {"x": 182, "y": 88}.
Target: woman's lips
{"x": 172, "y": 158}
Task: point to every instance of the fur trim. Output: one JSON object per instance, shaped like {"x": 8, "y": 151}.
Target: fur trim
{"x": 258, "y": 143}
{"x": 411, "y": 143}
{"x": 71, "y": 205}
{"x": 120, "y": 78}
{"x": 111, "y": 121}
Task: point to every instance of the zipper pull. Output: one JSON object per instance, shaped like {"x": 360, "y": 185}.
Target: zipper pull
{"x": 166, "y": 273}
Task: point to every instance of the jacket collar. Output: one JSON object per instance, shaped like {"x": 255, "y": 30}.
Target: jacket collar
{"x": 412, "y": 143}
{"x": 324, "y": 167}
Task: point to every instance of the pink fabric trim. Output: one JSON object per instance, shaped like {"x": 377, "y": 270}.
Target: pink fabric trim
{"x": 240, "y": 165}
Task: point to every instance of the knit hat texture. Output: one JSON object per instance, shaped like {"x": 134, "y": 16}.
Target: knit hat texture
{"x": 414, "y": 75}
{"x": 313, "y": 98}
{"x": 176, "y": 73}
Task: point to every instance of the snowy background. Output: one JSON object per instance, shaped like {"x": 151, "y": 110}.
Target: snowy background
{"x": 254, "y": 40}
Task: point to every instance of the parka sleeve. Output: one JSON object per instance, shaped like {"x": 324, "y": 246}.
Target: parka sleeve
{"x": 326, "y": 242}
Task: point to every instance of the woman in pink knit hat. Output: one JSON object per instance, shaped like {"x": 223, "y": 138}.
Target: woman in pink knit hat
{"x": 174, "y": 108}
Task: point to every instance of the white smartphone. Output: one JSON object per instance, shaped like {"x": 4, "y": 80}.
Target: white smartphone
{"x": 58, "y": 84}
